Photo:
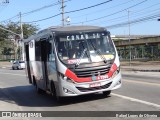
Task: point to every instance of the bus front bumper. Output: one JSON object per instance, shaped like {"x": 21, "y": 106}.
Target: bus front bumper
{"x": 75, "y": 89}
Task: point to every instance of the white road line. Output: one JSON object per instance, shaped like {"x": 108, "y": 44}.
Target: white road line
{"x": 12, "y": 74}
{"x": 137, "y": 100}
{"x": 141, "y": 82}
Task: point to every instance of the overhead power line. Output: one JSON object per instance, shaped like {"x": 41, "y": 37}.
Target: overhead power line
{"x": 89, "y": 7}
{"x": 115, "y": 6}
{"x": 44, "y": 18}
{"x": 111, "y": 13}
{"x": 134, "y": 13}
{"x": 36, "y": 10}
{"x": 150, "y": 17}
{"x": 44, "y": 7}
{"x": 70, "y": 11}
{"x": 10, "y": 18}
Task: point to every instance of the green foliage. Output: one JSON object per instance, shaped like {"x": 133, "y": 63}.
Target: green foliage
{"x": 6, "y": 51}
{"x": 8, "y": 47}
{"x": 28, "y": 29}
{"x": 3, "y": 34}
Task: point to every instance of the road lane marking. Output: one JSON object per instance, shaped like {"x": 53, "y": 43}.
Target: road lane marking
{"x": 12, "y": 74}
{"x": 141, "y": 82}
{"x": 137, "y": 100}
{"x": 155, "y": 74}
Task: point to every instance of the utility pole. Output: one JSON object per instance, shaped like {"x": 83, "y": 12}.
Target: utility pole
{"x": 21, "y": 37}
{"x": 62, "y": 12}
{"x": 21, "y": 26}
{"x": 129, "y": 38}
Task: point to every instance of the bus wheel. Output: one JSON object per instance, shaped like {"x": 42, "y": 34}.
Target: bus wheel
{"x": 39, "y": 91}
{"x": 34, "y": 81}
{"x": 106, "y": 93}
{"x": 53, "y": 90}
{"x": 53, "y": 93}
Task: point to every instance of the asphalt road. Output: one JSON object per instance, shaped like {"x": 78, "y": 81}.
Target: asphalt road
{"x": 140, "y": 92}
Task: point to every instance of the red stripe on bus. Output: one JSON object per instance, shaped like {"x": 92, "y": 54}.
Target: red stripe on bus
{"x": 73, "y": 76}
{"x": 112, "y": 70}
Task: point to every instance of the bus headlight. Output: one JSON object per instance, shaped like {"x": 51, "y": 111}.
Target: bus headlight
{"x": 68, "y": 91}
{"x": 116, "y": 72}
{"x": 66, "y": 78}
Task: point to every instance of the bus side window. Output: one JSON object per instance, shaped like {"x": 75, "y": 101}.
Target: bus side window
{"x": 38, "y": 51}
{"x": 51, "y": 56}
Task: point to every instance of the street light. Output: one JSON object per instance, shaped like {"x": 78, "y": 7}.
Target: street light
{"x": 158, "y": 19}
{"x": 130, "y": 54}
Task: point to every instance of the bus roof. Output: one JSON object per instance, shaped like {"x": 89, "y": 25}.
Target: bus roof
{"x": 66, "y": 29}
{"x": 76, "y": 28}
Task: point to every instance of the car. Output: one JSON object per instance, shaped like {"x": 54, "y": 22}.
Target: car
{"x": 18, "y": 65}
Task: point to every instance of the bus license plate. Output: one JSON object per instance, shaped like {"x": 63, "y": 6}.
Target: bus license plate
{"x": 95, "y": 84}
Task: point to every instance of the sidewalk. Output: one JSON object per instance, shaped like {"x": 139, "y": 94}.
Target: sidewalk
{"x": 150, "y": 66}
{"x": 5, "y": 64}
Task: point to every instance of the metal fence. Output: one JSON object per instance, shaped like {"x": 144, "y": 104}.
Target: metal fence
{"x": 7, "y": 57}
{"x": 140, "y": 52}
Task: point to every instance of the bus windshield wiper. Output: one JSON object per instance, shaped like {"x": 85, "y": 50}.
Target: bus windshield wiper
{"x": 82, "y": 55}
{"x": 98, "y": 52}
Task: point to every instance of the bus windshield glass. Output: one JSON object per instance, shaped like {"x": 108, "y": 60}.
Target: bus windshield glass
{"x": 85, "y": 47}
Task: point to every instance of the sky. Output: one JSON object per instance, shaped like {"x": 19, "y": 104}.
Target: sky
{"x": 115, "y": 15}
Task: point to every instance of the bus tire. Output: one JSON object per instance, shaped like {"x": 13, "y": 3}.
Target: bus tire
{"x": 33, "y": 81}
{"x": 106, "y": 93}
{"x": 59, "y": 99}
{"x": 39, "y": 91}
{"x": 53, "y": 93}
{"x": 53, "y": 89}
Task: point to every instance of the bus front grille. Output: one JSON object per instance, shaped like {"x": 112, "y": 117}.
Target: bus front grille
{"x": 89, "y": 72}
{"x": 94, "y": 88}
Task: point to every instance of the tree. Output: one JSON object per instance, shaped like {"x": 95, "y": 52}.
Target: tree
{"x": 28, "y": 29}
{"x": 3, "y": 34}
{"x": 6, "y": 51}
{"x": 5, "y": 37}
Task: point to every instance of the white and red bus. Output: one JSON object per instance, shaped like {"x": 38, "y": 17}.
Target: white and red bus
{"x": 72, "y": 61}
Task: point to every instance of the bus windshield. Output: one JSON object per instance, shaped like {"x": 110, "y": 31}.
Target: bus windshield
{"x": 85, "y": 47}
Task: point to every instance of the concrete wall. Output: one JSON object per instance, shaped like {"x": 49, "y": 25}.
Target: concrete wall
{"x": 140, "y": 41}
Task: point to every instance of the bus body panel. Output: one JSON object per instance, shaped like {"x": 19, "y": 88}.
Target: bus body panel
{"x": 75, "y": 89}
{"x": 83, "y": 88}
{"x": 54, "y": 70}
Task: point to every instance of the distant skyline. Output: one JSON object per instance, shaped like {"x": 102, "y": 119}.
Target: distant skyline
{"x": 142, "y": 15}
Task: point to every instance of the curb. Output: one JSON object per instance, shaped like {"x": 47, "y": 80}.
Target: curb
{"x": 141, "y": 70}
{"x": 3, "y": 67}
{"x": 146, "y": 70}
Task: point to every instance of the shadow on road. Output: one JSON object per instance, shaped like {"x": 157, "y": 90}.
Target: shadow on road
{"x": 27, "y": 96}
